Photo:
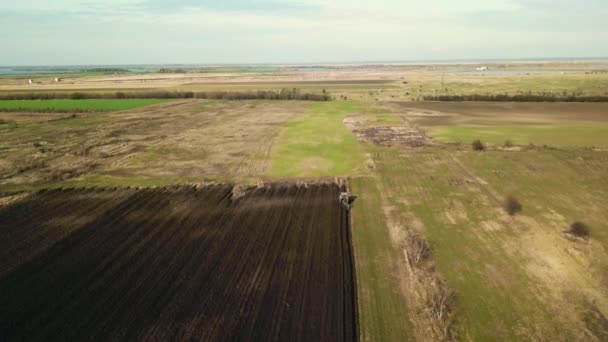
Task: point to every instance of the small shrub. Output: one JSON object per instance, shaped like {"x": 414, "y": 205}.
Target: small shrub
{"x": 508, "y": 143}
{"x": 512, "y": 205}
{"x": 579, "y": 229}
{"x": 478, "y": 145}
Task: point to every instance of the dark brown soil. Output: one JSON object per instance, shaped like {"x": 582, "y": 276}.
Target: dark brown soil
{"x": 178, "y": 263}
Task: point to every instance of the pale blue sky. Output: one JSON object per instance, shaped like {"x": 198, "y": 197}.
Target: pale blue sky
{"x": 67, "y": 32}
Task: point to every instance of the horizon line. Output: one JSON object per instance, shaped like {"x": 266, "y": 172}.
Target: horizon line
{"x": 362, "y": 62}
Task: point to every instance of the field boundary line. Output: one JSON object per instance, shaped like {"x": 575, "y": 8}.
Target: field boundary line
{"x": 352, "y": 263}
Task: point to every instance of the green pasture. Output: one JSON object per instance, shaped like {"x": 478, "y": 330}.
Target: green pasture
{"x": 87, "y": 105}
{"x": 318, "y": 145}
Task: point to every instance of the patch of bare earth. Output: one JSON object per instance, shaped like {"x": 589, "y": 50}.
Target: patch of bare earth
{"x": 403, "y": 135}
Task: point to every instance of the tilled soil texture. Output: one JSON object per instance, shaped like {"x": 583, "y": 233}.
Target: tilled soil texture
{"x": 178, "y": 263}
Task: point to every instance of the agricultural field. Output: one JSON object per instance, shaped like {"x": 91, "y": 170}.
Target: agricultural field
{"x": 521, "y": 277}
{"x": 318, "y": 144}
{"x": 514, "y": 278}
{"x": 552, "y": 124}
{"x": 74, "y": 106}
{"x": 177, "y": 142}
{"x": 438, "y": 255}
{"x": 271, "y": 262}
{"x": 411, "y": 82}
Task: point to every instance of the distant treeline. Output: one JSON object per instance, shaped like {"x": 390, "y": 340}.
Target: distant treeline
{"x": 172, "y": 71}
{"x": 517, "y": 98}
{"x": 105, "y": 70}
{"x": 284, "y": 94}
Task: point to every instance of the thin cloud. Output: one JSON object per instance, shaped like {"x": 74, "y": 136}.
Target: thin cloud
{"x": 239, "y": 31}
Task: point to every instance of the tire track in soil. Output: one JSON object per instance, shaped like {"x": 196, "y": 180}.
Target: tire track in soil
{"x": 485, "y": 189}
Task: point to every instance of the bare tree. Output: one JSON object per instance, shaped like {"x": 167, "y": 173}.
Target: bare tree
{"x": 440, "y": 301}
{"x": 418, "y": 249}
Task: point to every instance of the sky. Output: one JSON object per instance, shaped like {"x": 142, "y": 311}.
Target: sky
{"x": 87, "y": 32}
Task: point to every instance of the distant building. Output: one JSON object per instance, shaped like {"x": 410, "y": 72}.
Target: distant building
{"x": 482, "y": 68}
{"x": 30, "y": 82}
{"x": 57, "y": 79}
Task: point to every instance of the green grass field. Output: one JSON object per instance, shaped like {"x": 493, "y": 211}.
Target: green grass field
{"x": 491, "y": 285}
{"x": 75, "y": 105}
{"x": 572, "y": 183}
{"x": 559, "y": 135}
{"x": 318, "y": 145}
{"x": 383, "y": 310}
{"x": 510, "y": 275}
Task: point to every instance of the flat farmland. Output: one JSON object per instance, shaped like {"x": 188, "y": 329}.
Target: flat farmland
{"x": 438, "y": 258}
{"x": 181, "y": 141}
{"x": 213, "y": 262}
{"x": 553, "y": 124}
{"x": 95, "y": 105}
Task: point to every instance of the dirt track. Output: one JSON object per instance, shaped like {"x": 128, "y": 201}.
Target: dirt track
{"x": 177, "y": 263}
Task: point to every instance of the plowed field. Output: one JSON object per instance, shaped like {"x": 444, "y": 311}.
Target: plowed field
{"x": 176, "y": 263}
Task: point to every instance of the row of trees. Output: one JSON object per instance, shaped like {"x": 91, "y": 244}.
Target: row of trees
{"x": 172, "y": 71}
{"x": 518, "y": 98}
{"x": 285, "y": 94}
{"x": 105, "y": 70}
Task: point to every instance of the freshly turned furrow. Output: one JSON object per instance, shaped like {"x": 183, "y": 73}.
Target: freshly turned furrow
{"x": 178, "y": 263}
{"x": 81, "y": 253}
{"x": 32, "y": 231}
